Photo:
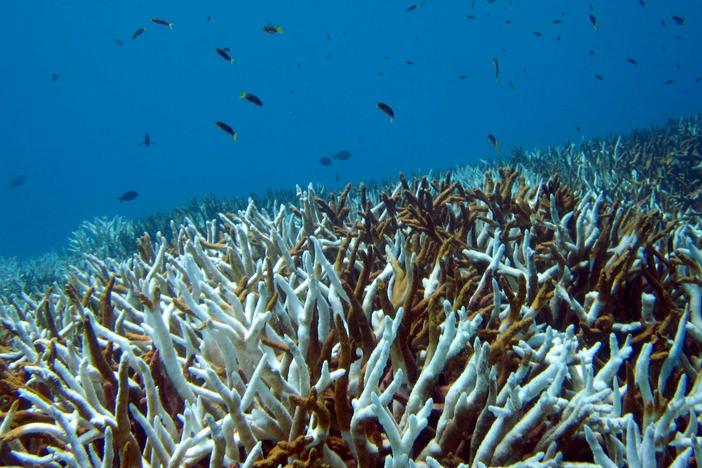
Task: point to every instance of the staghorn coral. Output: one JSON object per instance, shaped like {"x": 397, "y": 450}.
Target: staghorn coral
{"x": 467, "y": 318}
{"x": 449, "y": 320}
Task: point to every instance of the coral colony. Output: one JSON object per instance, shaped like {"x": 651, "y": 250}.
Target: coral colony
{"x": 478, "y": 317}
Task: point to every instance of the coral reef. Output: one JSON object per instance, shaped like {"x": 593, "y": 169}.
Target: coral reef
{"x": 660, "y": 168}
{"x": 467, "y": 318}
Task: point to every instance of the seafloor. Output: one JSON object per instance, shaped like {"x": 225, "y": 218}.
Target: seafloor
{"x": 546, "y": 312}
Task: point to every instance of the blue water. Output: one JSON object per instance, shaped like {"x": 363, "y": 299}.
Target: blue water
{"x": 76, "y": 138}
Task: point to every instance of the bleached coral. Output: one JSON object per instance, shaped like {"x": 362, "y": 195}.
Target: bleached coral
{"x": 469, "y": 320}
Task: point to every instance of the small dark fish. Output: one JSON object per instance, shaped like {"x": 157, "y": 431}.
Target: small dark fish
{"x": 642, "y": 3}
{"x": 592, "y": 8}
{"x": 128, "y": 196}
{"x": 679, "y": 20}
{"x": 677, "y": 66}
{"x": 470, "y": 16}
{"x": 668, "y": 82}
{"x": 537, "y": 33}
{"x": 496, "y": 66}
{"x": 147, "y": 141}
{"x": 328, "y": 37}
{"x": 592, "y": 52}
{"x": 698, "y": 79}
{"x": 409, "y": 62}
{"x": 252, "y": 98}
{"x": 386, "y": 58}
{"x": 328, "y": 56}
{"x": 599, "y": 77}
{"x": 119, "y": 42}
{"x": 138, "y": 32}
{"x": 680, "y": 38}
{"x": 508, "y": 22}
{"x": 325, "y": 161}
{"x": 664, "y": 24}
{"x": 593, "y": 20}
{"x": 557, "y": 21}
{"x": 632, "y": 61}
{"x": 413, "y": 7}
{"x": 162, "y": 22}
{"x": 511, "y": 85}
{"x": 558, "y": 38}
{"x": 54, "y": 77}
{"x": 17, "y": 181}
{"x": 210, "y": 18}
{"x": 224, "y": 53}
{"x": 387, "y": 110}
{"x": 342, "y": 155}
{"x": 226, "y": 129}
{"x": 577, "y": 128}
{"x": 493, "y": 141}
{"x": 462, "y": 77}
{"x": 272, "y": 29}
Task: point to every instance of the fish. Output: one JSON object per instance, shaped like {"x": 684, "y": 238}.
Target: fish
{"x": 511, "y": 85}
{"x": 138, "y": 32}
{"x": 162, "y": 22}
{"x": 642, "y": 3}
{"x": 387, "y": 110}
{"x": 557, "y": 21}
{"x": 599, "y": 77}
{"x": 664, "y": 24}
{"x": 698, "y": 79}
{"x": 414, "y": 6}
{"x": 409, "y": 62}
{"x": 210, "y": 18}
{"x": 342, "y": 155}
{"x": 496, "y": 66}
{"x": 252, "y": 98}
{"x": 147, "y": 141}
{"x": 577, "y": 128}
{"x": 593, "y": 20}
{"x": 632, "y": 61}
{"x": 128, "y": 196}
{"x": 470, "y": 16}
{"x": 17, "y": 181}
{"x": 679, "y": 20}
{"x": 328, "y": 37}
{"x": 224, "y": 53}
{"x": 226, "y": 129}
{"x": 272, "y": 29}
{"x": 119, "y": 42}
{"x": 537, "y": 33}
{"x": 493, "y": 141}
{"x": 508, "y": 22}
{"x": 462, "y": 77}
{"x": 325, "y": 161}
{"x": 54, "y": 77}
{"x": 669, "y": 82}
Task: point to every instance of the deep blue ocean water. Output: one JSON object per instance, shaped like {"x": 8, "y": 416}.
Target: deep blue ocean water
{"x": 75, "y": 105}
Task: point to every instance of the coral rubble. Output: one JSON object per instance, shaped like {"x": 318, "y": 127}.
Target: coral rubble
{"x": 475, "y": 319}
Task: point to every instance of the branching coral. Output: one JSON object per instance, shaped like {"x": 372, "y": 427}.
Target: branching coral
{"x": 491, "y": 319}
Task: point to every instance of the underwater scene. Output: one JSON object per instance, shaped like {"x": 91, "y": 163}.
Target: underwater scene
{"x": 368, "y": 233}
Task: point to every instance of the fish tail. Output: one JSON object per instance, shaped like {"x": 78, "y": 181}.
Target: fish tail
{"x": 170, "y": 26}
{"x": 235, "y": 137}
{"x": 242, "y": 95}
{"x": 279, "y": 29}
{"x": 392, "y": 119}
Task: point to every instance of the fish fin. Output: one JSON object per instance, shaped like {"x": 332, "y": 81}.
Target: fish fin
{"x": 392, "y": 119}
{"x": 235, "y": 137}
{"x": 170, "y": 26}
{"x": 242, "y": 95}
{"x": 279, "y": 29}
